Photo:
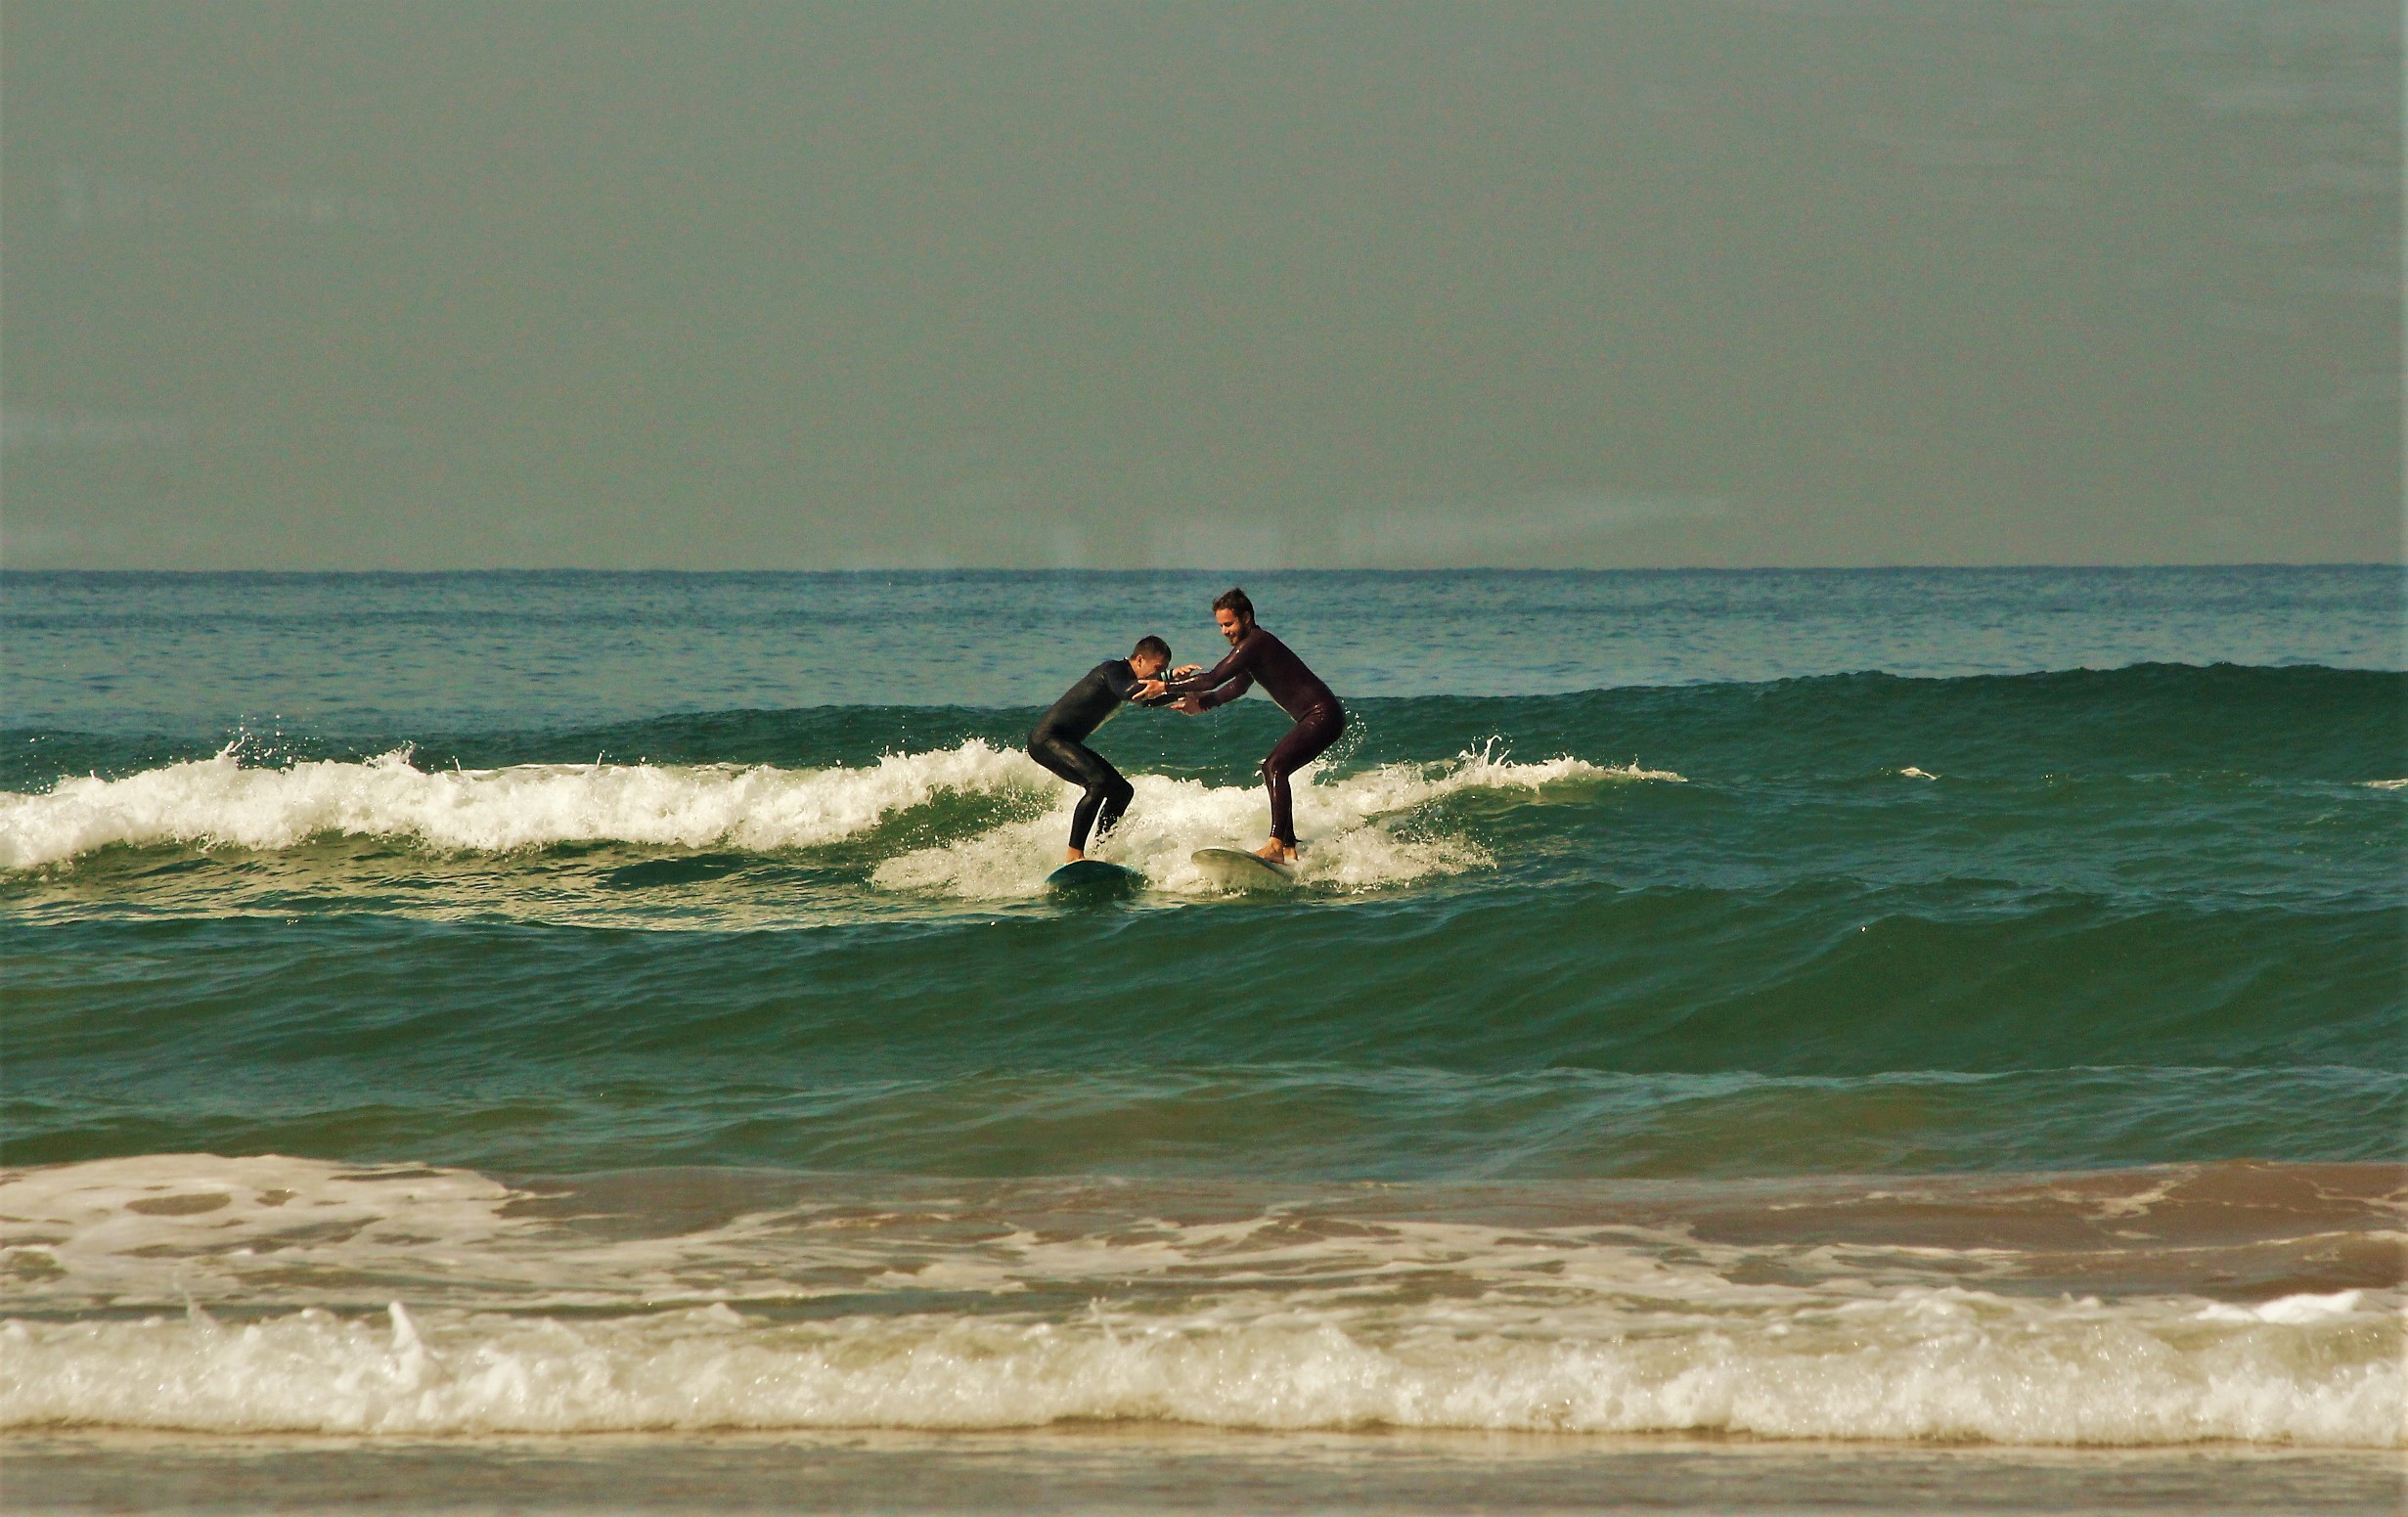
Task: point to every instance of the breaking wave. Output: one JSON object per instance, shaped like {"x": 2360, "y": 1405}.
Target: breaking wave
{"x": 1171, "y": 818}
{"x": 220, "y": 801}
{"x": 965, "y": 1313}
{"x": 1945, "y": 1363}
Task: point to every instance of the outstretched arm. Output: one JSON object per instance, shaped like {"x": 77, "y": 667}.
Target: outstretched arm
{"x": 1238, "y": 665}
{"x": 1123, "y": 683}
{"x": 1207, "y": 699}
{"x": 1197, "y": 703}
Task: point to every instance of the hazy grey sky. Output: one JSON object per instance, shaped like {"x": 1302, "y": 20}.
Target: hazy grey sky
{"x": 400, "y": 284}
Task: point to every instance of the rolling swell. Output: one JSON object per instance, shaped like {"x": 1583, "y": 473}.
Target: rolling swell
{"x": 2293, "y": 722}
{"x": 1807, "y": 982}
{"x": 2349, "y": 725}
{"x": 1596, "y": 1033}
{"x": 2101, "y": 918}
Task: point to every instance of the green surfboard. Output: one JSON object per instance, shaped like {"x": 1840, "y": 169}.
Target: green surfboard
{"x": 1092, "y": 880}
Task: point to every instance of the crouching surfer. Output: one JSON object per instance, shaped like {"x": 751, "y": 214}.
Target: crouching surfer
{"x": 1255, "y": 655}
{"x": 1059, "y": 740}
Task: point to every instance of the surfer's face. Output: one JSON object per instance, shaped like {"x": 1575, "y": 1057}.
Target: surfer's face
{"x": 1146, "y": 665}
{"x": 1231, "y": 626}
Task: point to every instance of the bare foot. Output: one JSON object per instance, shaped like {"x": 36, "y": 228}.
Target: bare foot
{"x": 1072, "y": 856}
{"x": 1277, "y": 852}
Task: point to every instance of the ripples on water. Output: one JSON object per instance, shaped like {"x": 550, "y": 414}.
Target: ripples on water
{"x": 679, "y": 1035}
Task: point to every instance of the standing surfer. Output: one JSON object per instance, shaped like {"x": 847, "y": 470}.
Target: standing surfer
{"x": 1255, "y": 655}
{"x": 1059, "y": 740}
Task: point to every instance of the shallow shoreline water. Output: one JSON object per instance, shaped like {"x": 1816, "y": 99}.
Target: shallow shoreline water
{"x": 1119, "y": 1468}
{"x": 2168, "y": 1306}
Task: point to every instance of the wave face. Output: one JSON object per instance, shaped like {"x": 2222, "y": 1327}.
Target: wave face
{"x": 1860, "y": 922}
{"x": 1828, "y": 1056}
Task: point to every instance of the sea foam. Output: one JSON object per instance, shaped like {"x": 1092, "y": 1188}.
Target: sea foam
{"x": 1347, "y": 846}
{"x": 1946, "y": 1363}
{"x": 220, "y": 801}
{"x": 964, "y": 1312}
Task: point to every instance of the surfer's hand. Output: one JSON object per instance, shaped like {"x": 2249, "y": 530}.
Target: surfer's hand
{"x": 1184, "y": 670}
{"x": 1193, "y": 705}
{"x": 1147, "y": 689}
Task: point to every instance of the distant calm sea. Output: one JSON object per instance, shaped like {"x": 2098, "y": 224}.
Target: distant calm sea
{"x": 1953, "y": 1005}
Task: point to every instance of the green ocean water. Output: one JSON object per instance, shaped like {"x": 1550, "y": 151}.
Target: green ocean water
{"x": 2027, "y": 909}
{"x": 1854, "y": 920}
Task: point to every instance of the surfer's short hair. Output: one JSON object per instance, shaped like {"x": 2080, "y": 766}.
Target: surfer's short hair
{"x": 1234, "y": 599}
{"x": 1154, "y": 646}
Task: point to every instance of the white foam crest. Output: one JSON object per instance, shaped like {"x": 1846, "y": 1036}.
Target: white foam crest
{"x": 1267, "y": 1320}
{"x": 1399, "y": 786}
{"x": 2304, "y": 1308}
{"x": 2385, "y": 785}
{"x": 1347, "y": 846}
{"x": 1946, "y": 1363}
{"x": 220, "y": 801}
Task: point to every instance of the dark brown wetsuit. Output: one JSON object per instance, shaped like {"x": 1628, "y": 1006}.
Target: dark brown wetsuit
{"x": 1300, "y": 693}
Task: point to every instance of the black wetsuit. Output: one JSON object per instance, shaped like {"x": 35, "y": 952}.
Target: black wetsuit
{"x": 1300, "y": 693}
{"x": 1059, "y": 744}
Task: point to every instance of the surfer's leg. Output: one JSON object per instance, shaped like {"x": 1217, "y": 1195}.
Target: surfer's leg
{"x": 1060, "y": 758}
{"x": 1082, "y": 820}
{"x": 1107, "y": 794}
{"x": 1304, "y": 741}
{"x": 1047, "y": 750}
{"x": 1112, "y": 799}
{"x": 1107, "y": 800}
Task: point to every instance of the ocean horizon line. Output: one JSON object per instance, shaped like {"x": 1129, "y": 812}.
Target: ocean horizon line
{"x": 934, "y": 571}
